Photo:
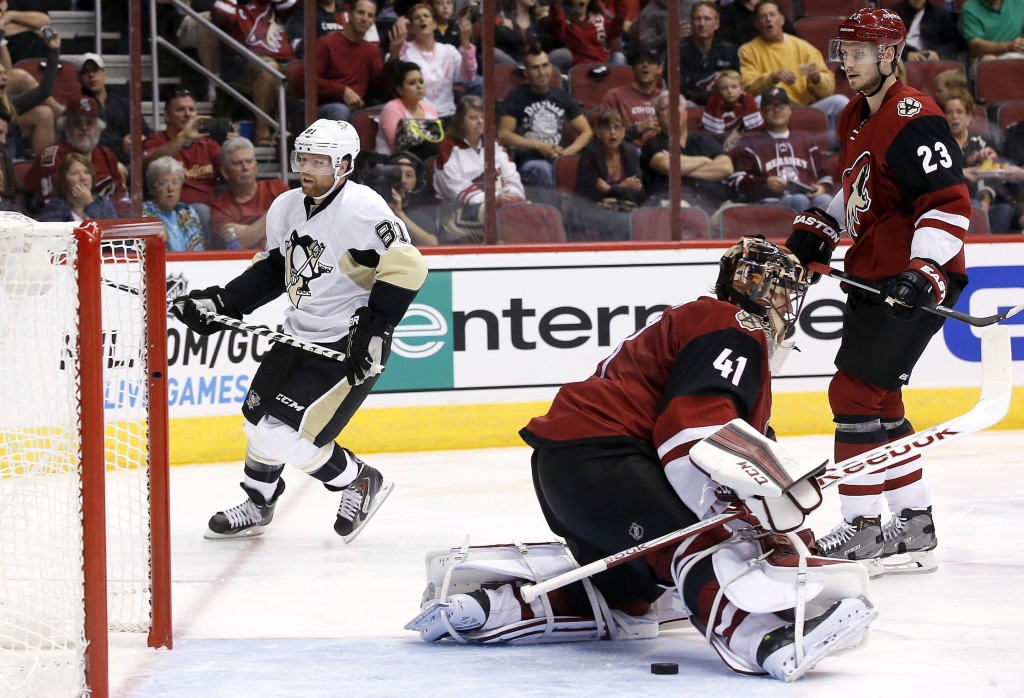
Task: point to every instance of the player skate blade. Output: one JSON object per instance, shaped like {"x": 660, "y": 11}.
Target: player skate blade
{"x": 874, "y": 566}
{"x": 911, "y": 563}
{"x": 210, "y": 534}
{"x": 382, "y": 494}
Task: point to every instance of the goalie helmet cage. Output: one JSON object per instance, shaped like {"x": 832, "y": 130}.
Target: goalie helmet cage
{"x": 84, "y": 520}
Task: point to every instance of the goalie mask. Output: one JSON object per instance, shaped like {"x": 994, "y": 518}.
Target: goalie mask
{"x": 769, "y": 283}
{"x": 337, "y": 140}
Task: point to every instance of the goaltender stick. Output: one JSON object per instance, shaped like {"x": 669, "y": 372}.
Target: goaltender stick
{"x": 350, "y": 272}
{"x": 613, "y": 468}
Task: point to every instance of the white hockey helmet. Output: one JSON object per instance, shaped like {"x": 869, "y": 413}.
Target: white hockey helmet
{"x": 336, "y": 139}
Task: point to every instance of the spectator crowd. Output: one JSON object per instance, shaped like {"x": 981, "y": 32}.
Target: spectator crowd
{"x": 582, "y": 118}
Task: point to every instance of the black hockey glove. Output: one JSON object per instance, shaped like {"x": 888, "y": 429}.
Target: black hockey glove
{"x": 210, "y": 299}
{"x": 814, "y": 237}
{"x": 369, "y": 345}
{"x": 922, "y": 283}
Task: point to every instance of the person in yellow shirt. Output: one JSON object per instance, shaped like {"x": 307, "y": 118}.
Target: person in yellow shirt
{"x": 775, "y": 58}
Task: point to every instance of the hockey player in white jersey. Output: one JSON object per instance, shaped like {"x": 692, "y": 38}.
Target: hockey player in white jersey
{"x": 350, "y": 272}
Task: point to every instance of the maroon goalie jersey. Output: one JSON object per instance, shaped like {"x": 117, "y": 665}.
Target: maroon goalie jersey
{"x": 904, "y": 194}
{"x": 671, "y": 383}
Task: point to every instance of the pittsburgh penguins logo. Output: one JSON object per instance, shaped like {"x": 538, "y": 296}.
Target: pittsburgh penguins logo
{"x": 858, "y": 200}
{"x": 302, "y": 265}
{"x": 908, "y": 107}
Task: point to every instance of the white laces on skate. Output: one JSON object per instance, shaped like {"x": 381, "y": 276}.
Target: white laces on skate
{"x": 351, "y": 501}
{"x": 893, "y": 529}
{"x": 839, "y": 535}
{"x": 245, "y": 514}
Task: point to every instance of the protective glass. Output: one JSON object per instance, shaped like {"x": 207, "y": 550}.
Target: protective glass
{"x": 858, "y": 52}
{"x": 312, "y": 164}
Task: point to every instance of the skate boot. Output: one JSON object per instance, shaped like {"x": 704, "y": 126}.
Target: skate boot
{"x": 859, "y": 540}
{"x": 842, "y": 627}
{"x": 360, "y": 501}
{"x": 247, "y": 519}
{"x": 910, "y": 542}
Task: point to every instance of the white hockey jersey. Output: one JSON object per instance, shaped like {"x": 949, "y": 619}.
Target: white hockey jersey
{"x": 459, "y": 171}
{"x": 334, "y": 255}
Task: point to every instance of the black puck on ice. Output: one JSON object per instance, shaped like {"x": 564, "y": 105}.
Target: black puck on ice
{"x": 664, "y": 668}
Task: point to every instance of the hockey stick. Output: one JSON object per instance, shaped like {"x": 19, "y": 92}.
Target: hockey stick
{"x": 280, "y": 337}
{"x": 992, "y": 406}
{"x": 929, "y": 307}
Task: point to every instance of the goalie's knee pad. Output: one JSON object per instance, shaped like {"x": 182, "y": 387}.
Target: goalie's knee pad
{"x": 746, "y": 592}
{"x": 472, "y": 595}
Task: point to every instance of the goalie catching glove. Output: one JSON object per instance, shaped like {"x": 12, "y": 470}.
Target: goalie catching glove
{"x": 814, "y": 238}
{"x": 777, "y": 490}
{"x": 923, "y": 283}
{"x": 369, "y": 345}
{"x": 212, "y": 300}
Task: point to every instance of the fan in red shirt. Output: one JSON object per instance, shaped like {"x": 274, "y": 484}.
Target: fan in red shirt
{"x": 635, "y": 101}
{"x": 81, "y": 134}
{"x": 346, "y": 65}
{"x": 260, "y": 26}
{"x": 239, "y": 215}
{"x": 184, "y": 141}
{"x": 905, "y": 204}
{"x": 585, "y": 30}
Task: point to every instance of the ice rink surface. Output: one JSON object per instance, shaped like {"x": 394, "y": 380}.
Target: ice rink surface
{"x": 298, "y": 613}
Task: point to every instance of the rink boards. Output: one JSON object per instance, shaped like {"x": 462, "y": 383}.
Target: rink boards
{"x": 492, "y": 335}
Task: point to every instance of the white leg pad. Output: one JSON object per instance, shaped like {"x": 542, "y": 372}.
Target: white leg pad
{"x": 274, "y": 441}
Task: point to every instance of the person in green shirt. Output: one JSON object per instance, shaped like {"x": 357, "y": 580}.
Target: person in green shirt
{"x": 993, "y": 27}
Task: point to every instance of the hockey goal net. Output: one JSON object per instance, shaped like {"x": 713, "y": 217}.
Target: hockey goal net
{"x": 83, "y": 450}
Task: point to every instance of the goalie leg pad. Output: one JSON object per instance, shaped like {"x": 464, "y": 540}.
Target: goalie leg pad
{"x": 739, "y": 591}
{"x": 472, "y": 596}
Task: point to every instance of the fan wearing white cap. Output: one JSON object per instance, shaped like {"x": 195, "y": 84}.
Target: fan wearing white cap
{"x": 350, "y": 271}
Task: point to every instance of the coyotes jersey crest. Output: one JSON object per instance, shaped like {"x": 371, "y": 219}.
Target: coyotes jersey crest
{"x": 858, "y": 198}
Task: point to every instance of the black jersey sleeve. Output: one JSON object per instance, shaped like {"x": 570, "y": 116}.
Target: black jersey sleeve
{"x": 259, "y": 284}
{"x": 724, "y": 363}
{"x": 924, "y": 158}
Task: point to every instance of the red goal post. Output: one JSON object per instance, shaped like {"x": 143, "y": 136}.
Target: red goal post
{"x": 84, "y": 520}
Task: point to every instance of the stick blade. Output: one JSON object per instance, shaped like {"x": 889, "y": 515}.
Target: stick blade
{"x": 997, "y": 367}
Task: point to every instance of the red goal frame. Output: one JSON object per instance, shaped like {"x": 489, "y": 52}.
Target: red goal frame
{"x": 90, "y": 237}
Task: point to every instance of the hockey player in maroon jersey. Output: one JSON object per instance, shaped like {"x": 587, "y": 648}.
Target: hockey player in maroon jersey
{"x": 612, "y": 468}
{"x": 904, "y": 203}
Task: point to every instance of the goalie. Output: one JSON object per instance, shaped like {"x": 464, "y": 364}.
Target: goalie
{"x": 643, "y": 448}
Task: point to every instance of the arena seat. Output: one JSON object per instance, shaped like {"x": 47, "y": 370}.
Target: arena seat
{"x": 66, "y": 86}
{"x": 508, "y": 76}
{"x": 979, "y": 222}
{"x": 529, "y": 223}
{"x": 831, "y": 164}
{"x": 829, "y": 8}
{"x": 366, "y": 126}
{"x": 979, "y": 124}
{"x": 770, "y": 221}
{"x": 998, "y": 82}
{"x": 655, "y": 224}
{"x": 812, "y": 122}
{"x": 818, "y": 31}
{"x": 921, "y": 74}
{"x": 694, "y": 116}
{"x": 1009, "y": 114}
{"x": 591, "y": 91}
{"x": 565, "y": 173}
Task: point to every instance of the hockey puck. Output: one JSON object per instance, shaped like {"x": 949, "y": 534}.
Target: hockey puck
{"x": 664, "y": 668}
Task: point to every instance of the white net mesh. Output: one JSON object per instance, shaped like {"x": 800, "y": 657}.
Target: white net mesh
{"x": 42, "y": 648}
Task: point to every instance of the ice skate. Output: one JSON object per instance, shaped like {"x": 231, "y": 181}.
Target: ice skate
{"x": 859, "y": 540}
{"x": 843, "y": 626}
{"x": 247, "y": 519}
{"x": 910, "y": 542}
{"x": 360, "y": 501}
